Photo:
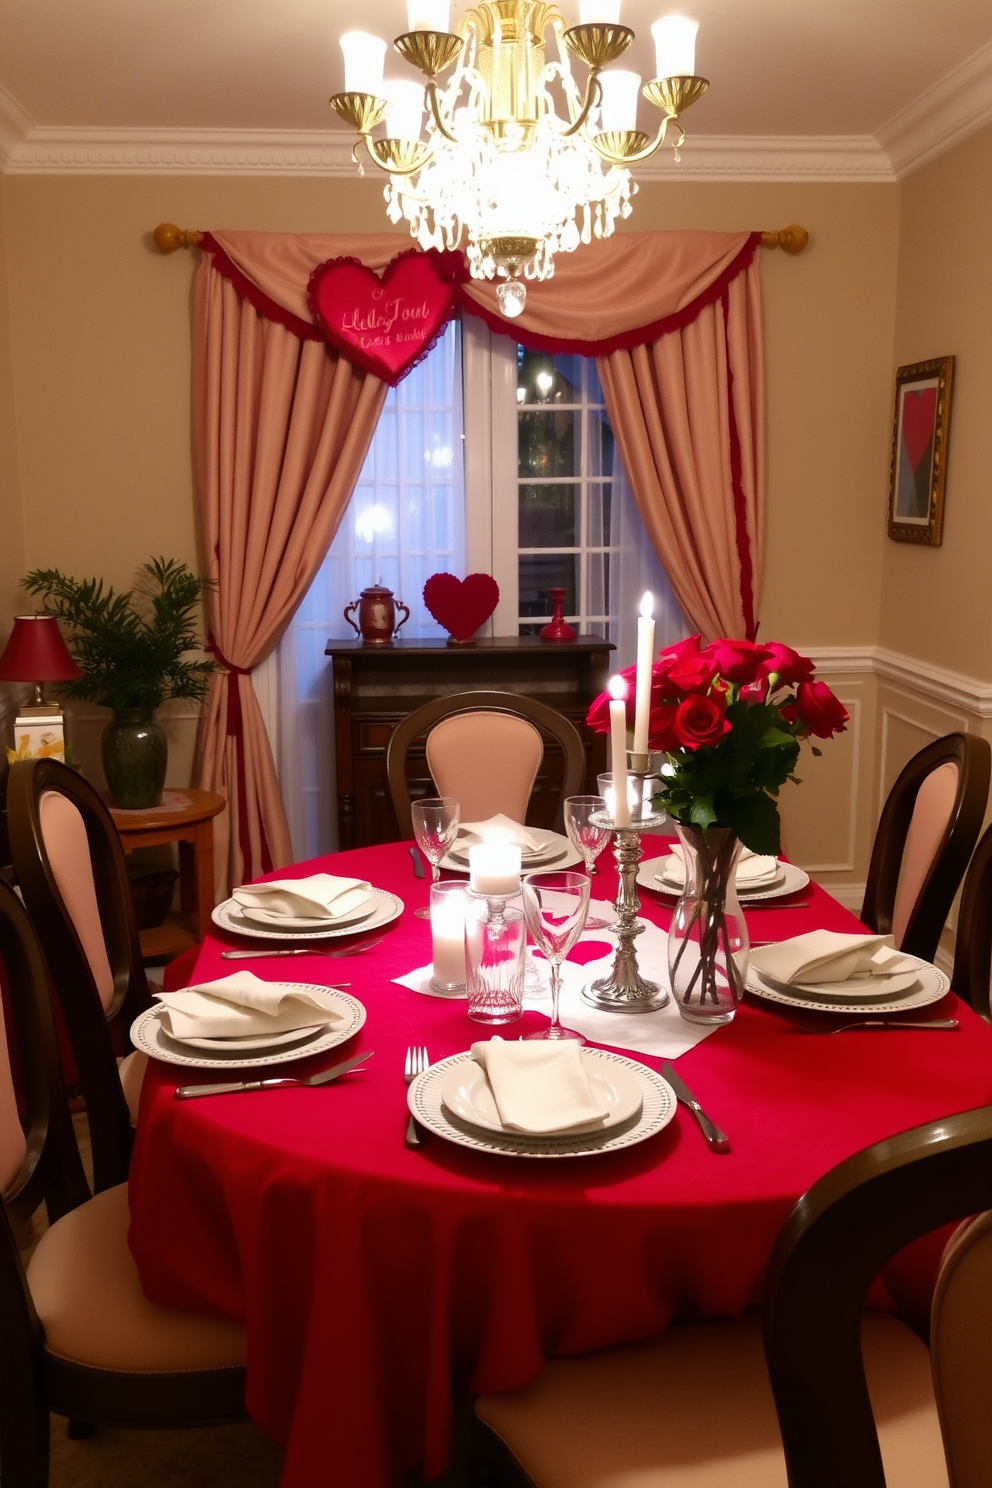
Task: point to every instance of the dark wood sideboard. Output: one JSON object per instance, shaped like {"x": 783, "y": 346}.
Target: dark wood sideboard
{"x": 376, "y": 686}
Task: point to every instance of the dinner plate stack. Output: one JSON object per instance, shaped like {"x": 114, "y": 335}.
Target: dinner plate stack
{"x": 824, "y": 971}
{"x": 381, "y": 908}
{"x": 552, "y": 850}
{"x": 769, "y": 878}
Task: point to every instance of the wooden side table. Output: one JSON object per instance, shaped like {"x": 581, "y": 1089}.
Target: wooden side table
{"x": 191, "y": 827}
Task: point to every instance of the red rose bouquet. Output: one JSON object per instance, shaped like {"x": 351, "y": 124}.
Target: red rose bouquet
{"x": 730, "y": 716}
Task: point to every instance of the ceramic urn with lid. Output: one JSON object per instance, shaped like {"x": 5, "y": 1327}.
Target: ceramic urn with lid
{"x": 376, "y": 615}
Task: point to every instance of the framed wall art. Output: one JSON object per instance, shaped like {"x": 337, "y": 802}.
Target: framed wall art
{"x": 919, "y": 451}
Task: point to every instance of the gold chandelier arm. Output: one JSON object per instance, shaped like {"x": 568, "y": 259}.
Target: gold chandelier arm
{"x": 791, "y": 239}
{"x": 593, "y": 95}
{"x": 430, "y": 93}
{"x": 627, "y": 147}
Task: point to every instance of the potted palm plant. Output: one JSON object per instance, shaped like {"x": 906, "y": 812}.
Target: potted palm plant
{"x": 130, "y": 649}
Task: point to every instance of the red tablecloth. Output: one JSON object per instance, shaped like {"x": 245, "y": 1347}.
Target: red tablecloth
{"x": 371, "y": 1277}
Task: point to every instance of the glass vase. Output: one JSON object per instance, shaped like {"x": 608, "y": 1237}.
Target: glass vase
{"x": 135, "y": 754}
{"x": 708, "y": 941}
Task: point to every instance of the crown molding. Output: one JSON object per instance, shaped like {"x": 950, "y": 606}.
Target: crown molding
{"x": 45, "y": 150}
{"x": 15, "y": 126}
{"x": 955, "y": 107}
{"x": 775, "y": 157}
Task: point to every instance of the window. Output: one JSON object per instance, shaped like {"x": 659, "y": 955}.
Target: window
{"x": 487, "y": 457}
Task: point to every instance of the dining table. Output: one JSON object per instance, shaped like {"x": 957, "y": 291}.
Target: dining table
{"x": 379, "y": 1283}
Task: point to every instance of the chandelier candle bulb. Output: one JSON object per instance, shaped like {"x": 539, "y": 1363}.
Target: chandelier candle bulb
{"x": 405, "y": 113}
{"x": 645, "y": 652}
{"x": 364, "y": 59}
{"x": 494, "y": 869}
{"x": 599, "y": 12}
{"x": 428, "y": 15}
{"x": 618, "y": 751}
{"x": 675, "y": 46}
{"x": 619, "y": 108}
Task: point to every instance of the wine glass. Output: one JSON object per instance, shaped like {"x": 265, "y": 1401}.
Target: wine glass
{"x": 587, "y": 839}
{"x": 435, "y": 826}
{"x": 556, "y": 905}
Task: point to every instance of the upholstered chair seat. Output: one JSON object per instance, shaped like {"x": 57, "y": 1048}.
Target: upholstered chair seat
{"x": 87, "y": 1294}
{"x": 694, "y": 1409}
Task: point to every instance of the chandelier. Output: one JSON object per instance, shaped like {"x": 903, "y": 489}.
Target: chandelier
{"x": 519, "y": 163}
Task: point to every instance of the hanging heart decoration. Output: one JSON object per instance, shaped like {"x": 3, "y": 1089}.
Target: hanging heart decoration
{"x": 386, "y": 323}
{"x": 461, "y": 605}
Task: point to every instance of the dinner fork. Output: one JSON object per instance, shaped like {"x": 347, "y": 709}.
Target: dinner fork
{"x": 937, "y": 1024}
{"x": 416, "y": 1063}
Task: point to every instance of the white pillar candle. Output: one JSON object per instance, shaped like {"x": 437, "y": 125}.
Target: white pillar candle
{"x": 494, "y": 869}
{"x": 618, "y": 751}
{"x": 428, "y": 15}
{"x": 606, "y": 12}
{"x": 364, "y": 59}
{"x": 645, "y": 653}
{"x": 620, "y": 91}
{"x": 675, "y": 46}
{"x": 448, "y": 939}
{"x": 405, "y": 113}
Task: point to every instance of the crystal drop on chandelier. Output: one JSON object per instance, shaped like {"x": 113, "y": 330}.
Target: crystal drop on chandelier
{"x": 512, "y": 297}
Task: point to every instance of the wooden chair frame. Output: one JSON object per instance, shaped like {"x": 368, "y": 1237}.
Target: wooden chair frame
{"x": 832, "y": 1246}
{"x": 423, "y": 719}
{"x": 973, "y": 758}
{"x": 96, "y": 1037}
{"x": 973, "y": 942}
{"x": 32, "y": 1382}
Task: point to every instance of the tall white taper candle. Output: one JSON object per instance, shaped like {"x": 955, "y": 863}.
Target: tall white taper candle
{"x": 618, "y": 751}
{"x": 645, "y": 652}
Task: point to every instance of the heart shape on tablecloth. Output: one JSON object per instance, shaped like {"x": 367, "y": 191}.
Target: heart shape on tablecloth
{"x": 386, "y": 324}
{"x": 461, "y": 605}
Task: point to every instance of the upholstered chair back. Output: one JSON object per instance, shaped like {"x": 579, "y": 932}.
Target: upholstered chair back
{"x": 487, "y": 761}
{"x": 931, "y": 818}
{"x": 961, "y": 1353}
{"x": 64, "y": 834}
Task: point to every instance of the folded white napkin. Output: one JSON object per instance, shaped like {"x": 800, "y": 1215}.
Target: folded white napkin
{"x": 241, "y": 1006}
{"x": 503, "y": 827}
{"x": 753, "y": 869}
{"x": 539, "y": 1086}
{"x": 825, "y": 956}
{"x": 319, "y": 897}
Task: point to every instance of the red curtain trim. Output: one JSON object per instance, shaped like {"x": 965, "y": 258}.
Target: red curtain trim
{"x": 737, "y": 486}
{"x": 235, "y": 729}
{"x": 534, "y": 341}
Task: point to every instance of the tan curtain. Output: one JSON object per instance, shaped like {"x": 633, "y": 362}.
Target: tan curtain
{"x": 281, "y": 429}
{"x": 688, "y": 414}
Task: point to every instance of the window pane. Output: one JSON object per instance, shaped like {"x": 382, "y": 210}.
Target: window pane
{"x": 548, "y": 516}
{"x": 600, "y": 498}
{"x": 600, "y": 458}
{"x": 540, "y": 573}
{"x": 549, "y": 444}
{"x": 542, "y": 378}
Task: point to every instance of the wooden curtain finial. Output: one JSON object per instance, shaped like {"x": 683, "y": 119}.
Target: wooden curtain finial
{"x": 168, "y": 237}
{"x": 791, "y": 239}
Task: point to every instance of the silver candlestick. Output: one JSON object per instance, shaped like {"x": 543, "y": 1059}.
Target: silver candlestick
{"x": 625, "y": 990}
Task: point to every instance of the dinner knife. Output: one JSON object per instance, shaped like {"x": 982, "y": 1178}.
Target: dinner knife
{"x": 189, "y": 1092}
{"x": 418, "y": 866}
{"x": 716, "y": 1140}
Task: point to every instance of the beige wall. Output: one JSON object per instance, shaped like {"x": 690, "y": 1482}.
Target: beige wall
{"x": 935, "y": 601}
{"x": 100, "y": 335}
{"x": 11, "y": 526}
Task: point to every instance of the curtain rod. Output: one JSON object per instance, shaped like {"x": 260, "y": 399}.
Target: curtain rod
{"x": 168, "y": 238}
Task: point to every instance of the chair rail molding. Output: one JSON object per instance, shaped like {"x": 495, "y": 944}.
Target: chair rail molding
{"x": 937, "y": 683}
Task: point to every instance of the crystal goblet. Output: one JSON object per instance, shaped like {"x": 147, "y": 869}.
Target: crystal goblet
{"x": 435, "y": 826}
{"x": 556, "y": 906}
{"x": 587, "y": 839}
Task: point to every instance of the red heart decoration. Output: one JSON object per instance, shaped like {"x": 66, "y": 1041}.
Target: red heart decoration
{"x": 385, "y": 325}
{"x": 461, "y": 605}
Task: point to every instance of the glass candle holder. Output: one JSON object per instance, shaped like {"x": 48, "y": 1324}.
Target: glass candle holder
{"x": 495, "y": 948}
{"x": 635, "y": 794}
{"x": 449, "y": 902}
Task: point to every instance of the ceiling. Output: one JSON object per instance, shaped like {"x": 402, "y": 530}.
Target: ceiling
{"x": 875, "y": 86}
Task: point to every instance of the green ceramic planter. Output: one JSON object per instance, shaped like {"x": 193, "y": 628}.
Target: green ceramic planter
{"x": 135, "y": 754}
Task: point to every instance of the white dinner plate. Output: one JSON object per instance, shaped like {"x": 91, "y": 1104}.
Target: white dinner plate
{"x": 658, "y": 1106}
{"x": 932, "y": 985}
{"x": 792, "y": 880}
{"x": 467, "y": 1093}
{"x": 148, "y": 1035}
{"x": 275, "y": 921}
{"x": 247, "y": 1045}
{"x": 230, "y": 916}
{"x": 852, "y": 993}
{"x": 554, "y": 851}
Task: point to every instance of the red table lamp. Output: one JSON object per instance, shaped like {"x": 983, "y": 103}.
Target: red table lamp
{"x": 37, "y": 653}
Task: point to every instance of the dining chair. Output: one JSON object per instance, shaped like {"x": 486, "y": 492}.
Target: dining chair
{"x": 814, "y": 1393}
{"x": 929, "y": 825}
{"x": 485, "y": 749}
{"x": 71, "y": 870}
{"x": 971, "y": 978}
{"x": 78, "y": 1337}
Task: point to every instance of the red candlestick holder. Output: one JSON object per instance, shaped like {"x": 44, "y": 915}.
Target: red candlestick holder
{"x": 558, "y": 628}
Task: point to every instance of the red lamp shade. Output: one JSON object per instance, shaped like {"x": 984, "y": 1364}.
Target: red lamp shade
{"x": 36, "y": 652}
